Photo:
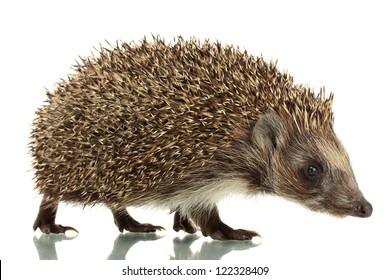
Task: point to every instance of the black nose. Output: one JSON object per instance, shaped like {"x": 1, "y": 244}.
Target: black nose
{"x": 362, "y": 209}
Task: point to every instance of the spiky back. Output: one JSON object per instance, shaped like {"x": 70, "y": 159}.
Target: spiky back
{"x": 138, "y": 116}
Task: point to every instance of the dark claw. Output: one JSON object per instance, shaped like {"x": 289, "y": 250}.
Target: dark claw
{"x": 149, "y": 228}
{"x": 66, "y": 228}
{"x": 145, "y": 228}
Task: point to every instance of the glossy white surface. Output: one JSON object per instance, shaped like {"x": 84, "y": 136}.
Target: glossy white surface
{"x": 343, "y": 46}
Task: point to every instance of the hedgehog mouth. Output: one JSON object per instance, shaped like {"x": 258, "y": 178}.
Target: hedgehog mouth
{"x": 341, "y": 212}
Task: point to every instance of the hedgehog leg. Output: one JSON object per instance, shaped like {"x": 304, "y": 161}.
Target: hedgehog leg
{"x": 183, "y": 223}
{"x": 211, "y": 225}
{"x": 45, "y": 220}
{"x": 123, "y": 221}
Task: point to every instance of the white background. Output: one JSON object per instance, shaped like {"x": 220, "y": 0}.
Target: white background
{"x": 342, "y": 45}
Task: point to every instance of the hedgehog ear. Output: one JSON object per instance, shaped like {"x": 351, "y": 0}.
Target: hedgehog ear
{"x": 267, "y": 132}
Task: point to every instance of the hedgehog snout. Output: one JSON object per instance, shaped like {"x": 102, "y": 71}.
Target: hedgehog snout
{"x": 362, "y": 209}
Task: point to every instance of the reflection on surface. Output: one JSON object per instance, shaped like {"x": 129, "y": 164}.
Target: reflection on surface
{"x": 124, "y": 242}
{"x": 213, "y": 250}
{"x": 181, "y": 247}
{"x": 45, "y": 245}
{"x": 210, "y": 250}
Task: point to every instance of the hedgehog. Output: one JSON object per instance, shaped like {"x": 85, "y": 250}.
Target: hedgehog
{"x": 181, "y": 125}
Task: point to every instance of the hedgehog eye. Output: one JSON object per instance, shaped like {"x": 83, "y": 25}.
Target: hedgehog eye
{"x": 312, "y": 171}
{"x": 311, "y": 174}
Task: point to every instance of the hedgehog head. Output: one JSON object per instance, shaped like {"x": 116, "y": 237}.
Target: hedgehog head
{"x": 307, "y": 161}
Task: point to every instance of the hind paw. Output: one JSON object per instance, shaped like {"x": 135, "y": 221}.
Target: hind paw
{"x": 45, "y": 220}
{"x": 54, "y": 228}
